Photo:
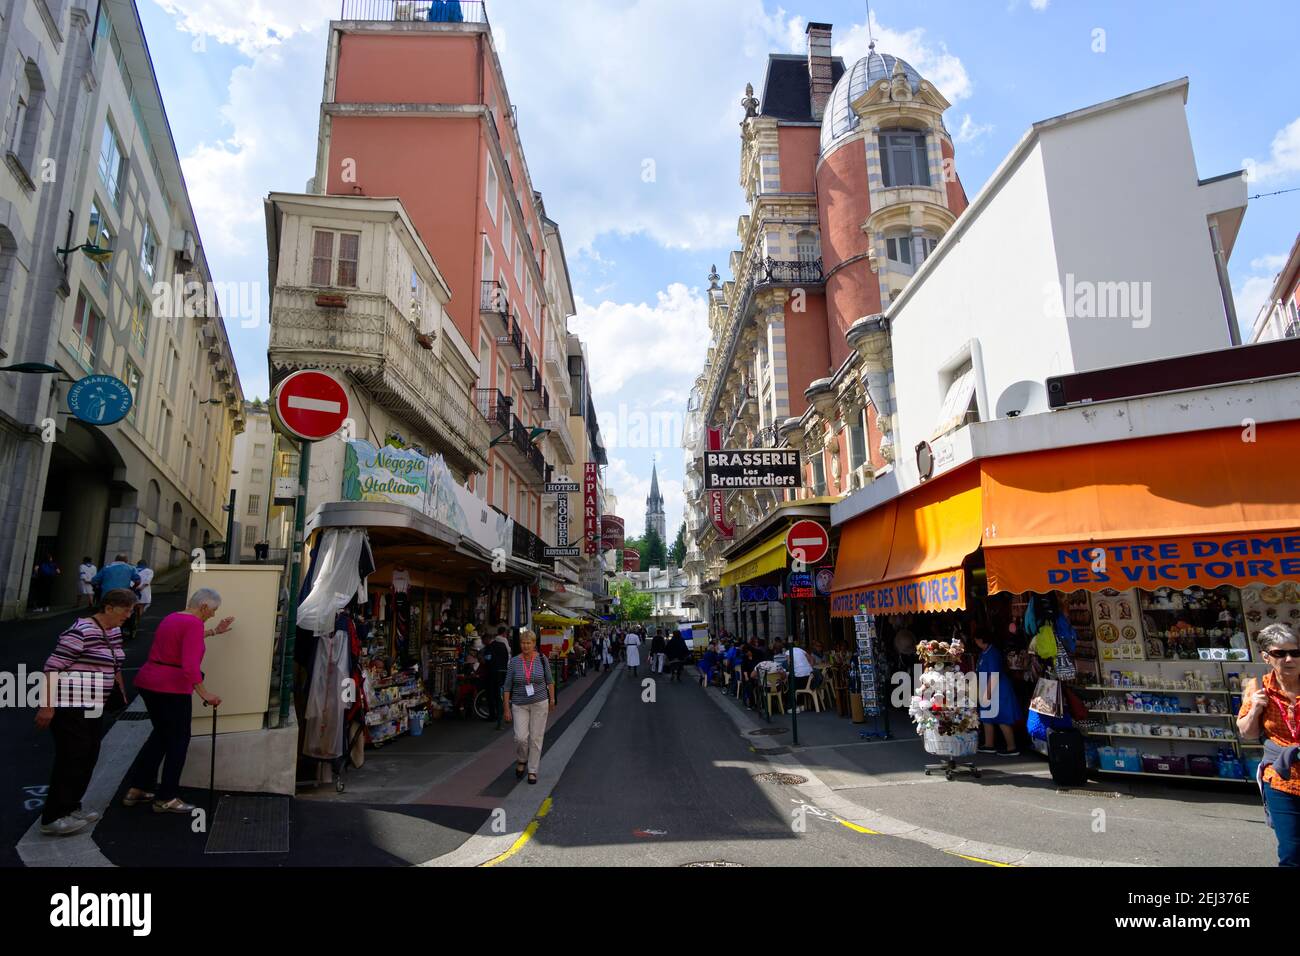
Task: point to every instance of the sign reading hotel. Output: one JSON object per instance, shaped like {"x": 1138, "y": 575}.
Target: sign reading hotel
{"x": 752, "y": 468}
{"x": 590, "y": 508}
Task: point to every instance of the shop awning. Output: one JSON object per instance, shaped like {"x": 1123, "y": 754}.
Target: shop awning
{"x": 764, "y": 559}
{"x": 551, "y": 619}
{"x": 911, "y": 561}
{"x": 1203, "y": 508}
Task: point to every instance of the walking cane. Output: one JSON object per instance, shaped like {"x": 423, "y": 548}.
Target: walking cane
{"x": 212, "y": 770}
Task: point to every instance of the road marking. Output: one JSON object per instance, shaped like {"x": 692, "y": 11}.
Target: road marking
{"x": 313, "y": 404}
{"x": 855, "y": 828}
{"x": 976, "y": 859}
{"x": 527, "y": 835}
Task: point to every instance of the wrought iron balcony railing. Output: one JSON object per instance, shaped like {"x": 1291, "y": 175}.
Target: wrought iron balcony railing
{"x": 494, "y": 407}
{"x": 434, "y": 11}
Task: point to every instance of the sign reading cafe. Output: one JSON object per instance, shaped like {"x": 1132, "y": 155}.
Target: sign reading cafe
{"x": 753, "y": 468}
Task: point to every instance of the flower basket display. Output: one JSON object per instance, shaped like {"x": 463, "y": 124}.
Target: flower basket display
{"x": 945, "y": 707}
{"x": 951, "y": 745}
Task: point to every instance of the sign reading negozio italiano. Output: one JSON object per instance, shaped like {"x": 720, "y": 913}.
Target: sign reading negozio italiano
{"x": 753, "y": 468}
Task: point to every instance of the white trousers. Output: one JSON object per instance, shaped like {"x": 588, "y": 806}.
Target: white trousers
{"x": 530, "y": 728}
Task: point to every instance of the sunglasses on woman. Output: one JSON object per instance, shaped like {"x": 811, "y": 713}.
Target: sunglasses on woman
{"x": 1279, "y": 655}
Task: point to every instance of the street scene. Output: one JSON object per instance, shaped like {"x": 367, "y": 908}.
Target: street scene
{"x": 650, "y": 434}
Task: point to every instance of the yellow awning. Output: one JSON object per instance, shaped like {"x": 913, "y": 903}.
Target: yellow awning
{"x": 767, "y": 557}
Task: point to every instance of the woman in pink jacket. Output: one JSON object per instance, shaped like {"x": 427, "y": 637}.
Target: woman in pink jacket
{"x": 170, "y": 677}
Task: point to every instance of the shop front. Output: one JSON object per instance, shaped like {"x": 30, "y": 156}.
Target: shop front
{"x": 1160, "y": 559}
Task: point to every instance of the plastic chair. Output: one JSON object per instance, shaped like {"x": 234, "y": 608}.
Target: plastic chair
{"x": 774, "y": 692}
{"x": 814, "y": 695}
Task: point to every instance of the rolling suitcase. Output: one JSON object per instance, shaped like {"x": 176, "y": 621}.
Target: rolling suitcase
{"x": 1067, "y": 758}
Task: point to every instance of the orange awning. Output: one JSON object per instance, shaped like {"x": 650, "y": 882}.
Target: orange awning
{"x": 934, "y": 529}
{"x": 1203, "y": 508}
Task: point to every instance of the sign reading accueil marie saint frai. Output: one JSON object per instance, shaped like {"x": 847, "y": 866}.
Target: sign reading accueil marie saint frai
{"x": 753, "y": 468}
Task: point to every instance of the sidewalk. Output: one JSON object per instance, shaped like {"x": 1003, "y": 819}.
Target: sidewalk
{"x": 1015, "y": 804}
{"x": 415, "y": 799}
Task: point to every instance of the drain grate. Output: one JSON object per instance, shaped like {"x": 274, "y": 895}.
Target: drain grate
{"x": 770, "y": 751}
{"x": 1105, "y": 794}
{"x": 784, "y": 779}
{"x": 768, "y": 731}
{"x": 250, "y": 824}
{"x": 713, "y": 863}
{"x": 135, "y": 715}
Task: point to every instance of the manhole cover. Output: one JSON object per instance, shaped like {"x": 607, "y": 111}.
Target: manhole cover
{"x": 784, "y": 779}
{"x": 250, "y": 824}
{"x": 713, "y": 863}
{"x": 770, "y": 751}
{"x": 768, "y": 731}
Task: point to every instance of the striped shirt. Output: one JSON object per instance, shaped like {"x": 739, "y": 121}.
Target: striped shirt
{"x": 88, "y": 660}
{"x": 517, "y": 680}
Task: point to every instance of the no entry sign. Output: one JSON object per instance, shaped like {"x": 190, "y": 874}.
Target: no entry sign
{"x": 807, "y": 541}
{"x": 311, "y": 405}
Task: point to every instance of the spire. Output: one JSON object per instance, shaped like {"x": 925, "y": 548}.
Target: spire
{"x": 655, "y": 498}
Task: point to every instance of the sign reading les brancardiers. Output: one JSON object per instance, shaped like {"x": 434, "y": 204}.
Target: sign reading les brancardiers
{"x": 753, "y": 468}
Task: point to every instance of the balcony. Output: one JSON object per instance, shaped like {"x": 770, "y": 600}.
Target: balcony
{"x": 495, "y": 409}
{"x": 524, "y": 368}
{"x": 530, "y": 547}
{"x": 561, "y": 441}
{"x": 516, "y": 445}
{"x": 512, "y": 337}
{"x": 374, "y": 343}
{"x": 494, "y": 306}
{"x": 436, "y": 11}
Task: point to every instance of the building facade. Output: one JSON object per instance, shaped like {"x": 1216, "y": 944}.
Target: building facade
{"x": 1279, "y": 317}
{"x": 252, "y": 479}
{"x": 91, "y": 168}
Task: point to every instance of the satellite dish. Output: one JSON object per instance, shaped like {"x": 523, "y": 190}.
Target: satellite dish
{"x": 1022, "y": 398}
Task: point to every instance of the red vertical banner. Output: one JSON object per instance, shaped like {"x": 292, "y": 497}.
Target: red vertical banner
{"x": 590, "y": 509}
{"x": 718, "y": 498}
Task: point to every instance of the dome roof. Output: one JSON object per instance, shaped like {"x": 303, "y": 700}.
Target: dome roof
{"x": 840, "y": 121}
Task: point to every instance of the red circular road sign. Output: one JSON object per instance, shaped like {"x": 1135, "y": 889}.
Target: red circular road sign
{"x": 808, "y": 541}
{"x": 311, "y": 405}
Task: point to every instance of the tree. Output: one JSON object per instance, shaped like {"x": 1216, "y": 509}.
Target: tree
{"x": 633, "y": 605}
{"x": 678, "y": 552}
{"x": 656, "y": 554}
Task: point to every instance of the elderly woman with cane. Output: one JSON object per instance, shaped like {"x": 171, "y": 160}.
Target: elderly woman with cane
{"x": 169, "y": 678}
{"x": 1271, "y": 708}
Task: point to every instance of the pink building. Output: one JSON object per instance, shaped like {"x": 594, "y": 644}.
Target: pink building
{"x": 419, "y": 110}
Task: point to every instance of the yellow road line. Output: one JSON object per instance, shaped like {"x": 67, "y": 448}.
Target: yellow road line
{"x": 976, "y": 859}
{"x": 855, "y": 828}
{"x": 524, "y": 837}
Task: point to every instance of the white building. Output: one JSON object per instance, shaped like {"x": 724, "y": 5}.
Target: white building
{"x": 667, "y": 587}
{"x": 1279, "y": 317}
{"x": 90, "y": 161}
{"x": 252, "y": 479}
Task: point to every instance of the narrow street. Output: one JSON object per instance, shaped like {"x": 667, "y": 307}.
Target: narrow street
{"x": 671, "y": 783}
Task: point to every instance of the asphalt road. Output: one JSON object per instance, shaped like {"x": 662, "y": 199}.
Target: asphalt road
{"x": 671, "y": 783}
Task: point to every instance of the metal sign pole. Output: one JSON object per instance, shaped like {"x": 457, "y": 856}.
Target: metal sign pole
{"x": 295, "y": 578}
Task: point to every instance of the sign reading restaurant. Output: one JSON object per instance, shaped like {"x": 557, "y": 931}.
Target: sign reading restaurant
{"x": 752, "y": 468}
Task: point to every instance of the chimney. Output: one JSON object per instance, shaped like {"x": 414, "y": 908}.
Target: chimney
{"x": 819, "y": 67}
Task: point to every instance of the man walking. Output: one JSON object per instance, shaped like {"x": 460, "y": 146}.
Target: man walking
{"x": 120, "y": 575}
{"x": 496, "y": 658}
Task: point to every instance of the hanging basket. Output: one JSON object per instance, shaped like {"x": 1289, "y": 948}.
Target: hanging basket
{"x": 951, "y": 745}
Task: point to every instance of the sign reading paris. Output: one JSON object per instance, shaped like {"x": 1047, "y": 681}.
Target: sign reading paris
{"x": 752, "y": 468}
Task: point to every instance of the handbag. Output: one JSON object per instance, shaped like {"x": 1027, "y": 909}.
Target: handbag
{"x": 1047, "y": 698}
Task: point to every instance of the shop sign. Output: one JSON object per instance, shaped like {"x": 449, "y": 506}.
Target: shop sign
{"x": 752, "y": 468}
{"x": 799, "y": 585}
{"x": 760, "y": 594}
{"x": 825, "y": 580}
{"x": 392, "y": 475}
{"x": 1207, "y": 561}
{"x": 590, "y": 508}
{"x": 99, "y": 400}
{"x": 936, "y": 592}
{"x": 718, "y": 499}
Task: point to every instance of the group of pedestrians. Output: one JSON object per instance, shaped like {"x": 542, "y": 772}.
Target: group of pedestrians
{"x": 93, "y": 583}
{"x": 84, "y": 680}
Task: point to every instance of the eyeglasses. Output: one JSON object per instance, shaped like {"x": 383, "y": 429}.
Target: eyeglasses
{"x": 1280, "y": 655}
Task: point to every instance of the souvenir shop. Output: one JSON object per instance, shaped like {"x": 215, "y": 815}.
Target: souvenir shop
{"x": 399, "y": 604}
{"x": 1135, "y": 574}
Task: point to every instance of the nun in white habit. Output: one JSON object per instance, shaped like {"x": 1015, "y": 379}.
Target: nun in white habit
{"x": 633, "y": 644}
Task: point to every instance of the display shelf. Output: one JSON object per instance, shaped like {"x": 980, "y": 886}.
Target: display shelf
{"x": 1149, "y": 713}
{"x": 1169, "y": 776}
{"x": 1227, "y": 741}
{"x": 1157, "y": 690}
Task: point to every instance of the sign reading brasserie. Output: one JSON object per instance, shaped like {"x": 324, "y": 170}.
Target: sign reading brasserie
{"x": 752, "y": 468}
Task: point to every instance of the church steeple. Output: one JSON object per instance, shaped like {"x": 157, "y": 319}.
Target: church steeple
{"x": 654, "y": 507}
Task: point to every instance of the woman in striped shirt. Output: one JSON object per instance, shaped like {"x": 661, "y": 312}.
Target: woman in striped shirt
{"x": 531, "y": 690}
{"x": 85, "y": 665}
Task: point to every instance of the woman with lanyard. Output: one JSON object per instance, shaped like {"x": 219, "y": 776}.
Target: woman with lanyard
{"x": 1272, "y": 708}
{"x": 530, "y": 696}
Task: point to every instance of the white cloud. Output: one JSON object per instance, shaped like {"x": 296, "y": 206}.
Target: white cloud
{"x": 665, "y": 341}
{"x": 632, "y": 489}
{"x": 1284, "y": 156}
{"x": 1039, "y": 4}
{"x": 931, "y": 59}
{"x": 970, "y": 131}
{"x": 250, "y": 25}
{"x": 1270, "y": 264}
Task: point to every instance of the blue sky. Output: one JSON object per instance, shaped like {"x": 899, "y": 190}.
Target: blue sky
{"x": 608, "y": 89}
